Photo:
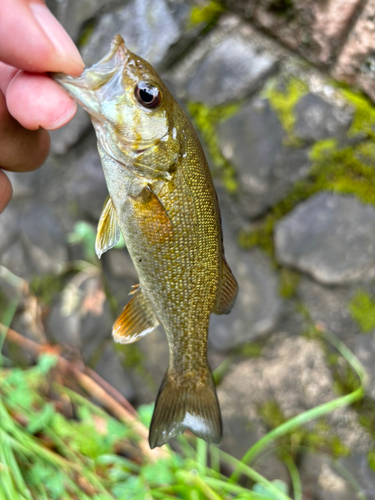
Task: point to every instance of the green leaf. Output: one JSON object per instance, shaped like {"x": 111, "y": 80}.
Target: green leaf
{"x": 129, "y": 488}
{"x": 40, "y": 421}
{"x": 46, "y": 362}
{"x": 158, "y": 473}
{"x": 145, "y": 413}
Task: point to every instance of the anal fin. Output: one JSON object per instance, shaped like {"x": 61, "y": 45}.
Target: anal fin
{"x": 136, "y": 320}
{"x": 108, "y": 233}
{"x": 228, "y": 291}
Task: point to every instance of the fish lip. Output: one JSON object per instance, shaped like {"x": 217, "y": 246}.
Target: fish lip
{"x": 79, "y": 88}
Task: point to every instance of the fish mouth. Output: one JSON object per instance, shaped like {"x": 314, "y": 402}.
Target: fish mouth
{"x": 84, "y": 89}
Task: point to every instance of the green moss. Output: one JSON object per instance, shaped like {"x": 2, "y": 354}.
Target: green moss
{"x": 205, "y": 14}
{"x": 362, "y": 309}
{"x": 364, "y": 113}
{"x": 271, "y": 414}
{"x": 86, "y": 32}
{"x": 289, "y": 280}
{"x": 46, "y": 287}
{"x": 249, "y": 349}
{"x": 283, "y": 102}
{"x": 206, "y": 120}
{"x": 371, "y": 459}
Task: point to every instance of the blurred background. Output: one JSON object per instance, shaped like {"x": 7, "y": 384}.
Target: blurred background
{"x": 281, "y": 94}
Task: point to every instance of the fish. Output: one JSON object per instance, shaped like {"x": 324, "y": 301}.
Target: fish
{"x": 163, "y": 201}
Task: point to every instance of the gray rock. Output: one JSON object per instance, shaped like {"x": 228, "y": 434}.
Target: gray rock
{"x": 65, "y": 137}
{"x": 23, "y": 184}
{"x": 86, "y": 185}
{"x": 252, "y": 141}
{"x": 365, "y": 351}
{"x": 258, "y": 305}
{"x": 293, "y": 374}
{"x": 44, "y": 239}
{"x": 148, "y": 28}
{"x": 329, "y": 236}
{"x": 73, "y": 14}
{"x": 109, "y": 367}
{"x": 322, "y": 481}
{"x": 359, "y": 468}
{"x": 318, "y": 119}
{"x": 34, "y": 239}
{"x": 81, "y": 316}
{"x": 329, "y": 306}
{"x": 15, "y": 259}
{"x": 120, "y": 265}
{"x": 234, "y": 69}
{"x": 8, "y": 227}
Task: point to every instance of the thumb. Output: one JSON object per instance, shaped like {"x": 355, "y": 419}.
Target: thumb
{"x": 32, "y": 39}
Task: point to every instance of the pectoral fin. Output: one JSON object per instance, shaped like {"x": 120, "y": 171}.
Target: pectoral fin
{"x": 108, "y": 233}
{"x": 151, "y": 217}
{"x": 228, "y": 290}
{"x": 136, "y": 320}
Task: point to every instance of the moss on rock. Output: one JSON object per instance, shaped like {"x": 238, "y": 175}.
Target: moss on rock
{"x": 362, "y": 309}
{"x": 289, "y": 280}
{"x": 206, "y": 120}
{"x": 283, "y": 101}
{"x": 207, "y": 13}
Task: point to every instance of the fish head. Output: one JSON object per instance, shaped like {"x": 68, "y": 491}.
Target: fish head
{"x": 134, "y": 115}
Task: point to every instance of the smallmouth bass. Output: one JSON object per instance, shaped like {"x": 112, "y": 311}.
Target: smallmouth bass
{"x": 162, "y": 199}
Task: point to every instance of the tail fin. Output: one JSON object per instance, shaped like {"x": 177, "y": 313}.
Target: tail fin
{"x": 183, "y": 403}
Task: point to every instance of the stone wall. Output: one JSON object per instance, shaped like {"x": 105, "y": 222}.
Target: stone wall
{"x": 292, "y": 152}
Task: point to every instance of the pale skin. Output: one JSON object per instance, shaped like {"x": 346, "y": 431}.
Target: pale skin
{"x": 32, "y": 43}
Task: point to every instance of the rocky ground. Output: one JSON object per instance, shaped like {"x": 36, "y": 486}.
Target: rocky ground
{"x": 292, "y": 152}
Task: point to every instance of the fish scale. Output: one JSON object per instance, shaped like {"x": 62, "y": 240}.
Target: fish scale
{"x": 162, "y": 199}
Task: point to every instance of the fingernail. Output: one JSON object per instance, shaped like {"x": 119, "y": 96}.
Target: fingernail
{"x": 56, "y": 34}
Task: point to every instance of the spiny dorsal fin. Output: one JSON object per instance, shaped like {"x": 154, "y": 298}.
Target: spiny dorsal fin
{"x": 228, "y": 290}
{"x": 185, "y": 403}
{"x": 108, "y": 233}
{"x": 136, "y": 320}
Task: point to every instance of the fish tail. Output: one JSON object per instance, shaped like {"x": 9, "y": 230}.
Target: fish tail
{"x": 186, "y": 403}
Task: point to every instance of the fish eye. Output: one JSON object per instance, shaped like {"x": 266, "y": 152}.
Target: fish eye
{"x": 148, "y": 95}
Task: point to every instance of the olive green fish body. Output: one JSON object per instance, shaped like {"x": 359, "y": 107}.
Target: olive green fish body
{"x": 162, "y": 198}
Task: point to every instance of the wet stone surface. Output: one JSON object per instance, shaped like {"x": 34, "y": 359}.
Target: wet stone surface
{"x": 253, "y": 141}
{"x": 318, "y": 119}
{"x": 331, "y": 237}
{"x": 232, "y": 70}
{"x": 149, "y": 28}
{"x": 258, "y": 305}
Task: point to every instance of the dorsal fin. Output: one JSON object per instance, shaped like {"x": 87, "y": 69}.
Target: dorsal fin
{"x": 136, "y": 320}
{"x": 228, "y": 290}
{"x": 108, "y": 233}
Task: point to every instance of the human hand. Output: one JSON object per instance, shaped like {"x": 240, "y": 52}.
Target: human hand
{"x": 32, "y": 42}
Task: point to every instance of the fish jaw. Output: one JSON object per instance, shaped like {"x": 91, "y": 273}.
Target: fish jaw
{"x": 85, "y": 89}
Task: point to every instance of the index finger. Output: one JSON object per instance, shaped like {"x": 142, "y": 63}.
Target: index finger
{"x": 29, "y": 23}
